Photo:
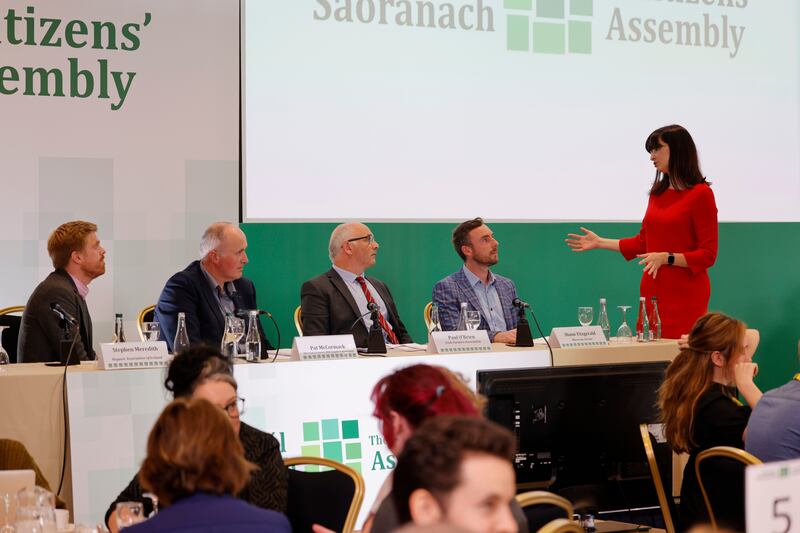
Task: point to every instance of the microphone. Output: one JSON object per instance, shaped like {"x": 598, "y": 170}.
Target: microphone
{"x": 516, "y": 302}
{"x": 375, "y": 342}
{"x": 372, "y": 306}
{"x": 243, "y": 313}
{"x": 63, "y": 315}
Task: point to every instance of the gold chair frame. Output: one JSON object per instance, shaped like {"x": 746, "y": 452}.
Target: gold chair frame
{"x": 12, "y": 309}
{"x": 656, "y": 475}
{"x": 358, "y": 484}
{"x": 561, "y": 525}
{"x": 426, "y": 315}
{"x": 140, "y": 320}
{"x": 726, "y": 452}
{"x": 542, "y": 497}
{"x": 298, "y": 320}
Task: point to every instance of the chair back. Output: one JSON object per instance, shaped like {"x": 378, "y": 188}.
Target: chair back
{"x": 298, "y": 320}
{"x": 542, "y": 507}
{"x": 8, "y": 317}
{"x": 426, "y": 315}
{"x": 562, "y": 525}
{"x": 145, "y": 315}
{"x": 655, "y": 473}
{"x": 330, "y": 498}
{"x": 720, "y": 474}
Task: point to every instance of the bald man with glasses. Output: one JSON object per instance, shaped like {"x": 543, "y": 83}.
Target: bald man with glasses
{"x": 332, "y": 303}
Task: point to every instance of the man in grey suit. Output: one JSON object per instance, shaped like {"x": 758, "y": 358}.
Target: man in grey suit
{"x": 77, "y": 258}
{"x": 335, "y": 303}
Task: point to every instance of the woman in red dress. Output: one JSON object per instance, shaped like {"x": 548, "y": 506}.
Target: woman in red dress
{"x": 678, "y": 240}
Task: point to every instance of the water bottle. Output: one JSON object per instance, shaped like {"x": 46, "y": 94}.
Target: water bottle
{"x": 253, "y": 339}
{"x": 602, "y": 320}
{"x": 228, "y": 346}
{"x": 181, "y": 342}
{"x": 655, "y": 321}
{"x": 435, "y": 324}
{"x": 462, "y": 318}
{"x": 119, "y": 332}
{"x": 642, "y": 323}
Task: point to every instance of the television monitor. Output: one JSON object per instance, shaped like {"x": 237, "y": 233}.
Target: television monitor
{"x": 577, "y": 431}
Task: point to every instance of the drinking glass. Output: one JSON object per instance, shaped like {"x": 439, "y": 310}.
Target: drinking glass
{"x": 436, "y": 325}
{"x": 624, "y": 333}
{"x": 473, "y": 320}
{"x": 129, "y": 513}
{"x": 151, "y": 331}
{"x": 7, "y": 527}
{"x": 4, "y": 358}
{"x": 585, "y": 315}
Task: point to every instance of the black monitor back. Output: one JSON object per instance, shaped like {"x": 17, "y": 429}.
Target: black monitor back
{"x": 577, "y": 429}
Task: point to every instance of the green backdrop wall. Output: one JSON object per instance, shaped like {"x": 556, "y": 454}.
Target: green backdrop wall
{"x": 754, "y": 278}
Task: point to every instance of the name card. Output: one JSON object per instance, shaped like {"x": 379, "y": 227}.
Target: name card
{"x": 124, "y": 355}
{"x": 324, "y": 347}
{"x": 577, "y": 337}
{"x": 772, "y": 501}
{"x": 459, "y": 341}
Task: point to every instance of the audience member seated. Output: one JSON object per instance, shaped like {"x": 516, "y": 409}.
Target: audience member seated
{"x": 15, "y": 456}
{"x": 477, "y": 286}
{"x": 77, "y": 258}
{"x": 699, "y": 404}
{"x": 194, "y": 465}
{"x": 773, "y": 433}
{"x": 201, "y": 372}
{"x": 207, "y": 289}
{"x": 457, "y": 471}
{"x": 335, "y": 303}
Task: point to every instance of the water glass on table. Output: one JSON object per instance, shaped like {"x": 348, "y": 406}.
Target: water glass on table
{"x": 585, "y": 316}
{"x": 151, "y": 331}
{"x": 129, "y": 513}
{"x": 473, "y": 320}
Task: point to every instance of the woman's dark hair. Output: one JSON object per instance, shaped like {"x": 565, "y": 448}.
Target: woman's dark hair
{"x": 684, "y": 166}
{"x": 192, "y": 367}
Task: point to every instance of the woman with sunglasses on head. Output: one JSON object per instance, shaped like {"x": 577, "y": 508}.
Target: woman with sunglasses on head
{"x": 677, "y": 243}
{"x": 699, "y": 401}
{"x": 201, "y": 372}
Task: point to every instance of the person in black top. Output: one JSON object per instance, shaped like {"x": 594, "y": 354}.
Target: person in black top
{"x": 201, "y": 372}
{"x": 698, "y": 400}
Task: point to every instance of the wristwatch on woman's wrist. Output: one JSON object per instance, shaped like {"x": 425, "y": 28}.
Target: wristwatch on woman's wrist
{"x": 670, "y": 258}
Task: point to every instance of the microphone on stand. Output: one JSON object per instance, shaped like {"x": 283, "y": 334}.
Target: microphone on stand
{"x": 375, "y": 342}
{"x": 62, "y": 314}
{"x": 524, "y": 337}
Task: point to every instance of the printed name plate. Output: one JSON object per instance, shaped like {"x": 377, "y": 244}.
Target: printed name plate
{"x": 324, "y": 347}
{"x": 459, "y": 342}
{"x": 772, "y": 501}
{"x": 577, "y": 337}
{"x": 123, "y": 355}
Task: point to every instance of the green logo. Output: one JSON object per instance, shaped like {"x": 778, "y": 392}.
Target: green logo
{"x": 550, "y": 28}
{"x": 783, "y": 472}
{"x": 332, "y": 439}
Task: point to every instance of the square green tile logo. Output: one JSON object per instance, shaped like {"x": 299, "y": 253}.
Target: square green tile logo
{"x": 331, "y": 438}
{"x": 549, "y": 26}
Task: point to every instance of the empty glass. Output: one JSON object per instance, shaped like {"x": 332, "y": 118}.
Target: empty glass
{"x": 436, "y": 325}
{"x": 624, "y": 333}
{"x": 129, "y": 513}
{"x": 473, "y": 320}
{"x": 151, "y": 331}
{"x": 4, "y": 359}
{"x": 585, "y": 315}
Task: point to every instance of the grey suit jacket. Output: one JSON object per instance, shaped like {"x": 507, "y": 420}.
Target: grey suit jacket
{"x": 40, "y": 334}
{"x": 329, "y": 309}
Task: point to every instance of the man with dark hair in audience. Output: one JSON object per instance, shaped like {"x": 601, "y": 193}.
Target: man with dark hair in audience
{"x": 209, "y": 288}
{"x": 335, "y": 303}
{"x": 77, "y": 258}
{"x": 773, "y": 430}
{"x": 477, "y": 286}
{"x": 458, "y": 471}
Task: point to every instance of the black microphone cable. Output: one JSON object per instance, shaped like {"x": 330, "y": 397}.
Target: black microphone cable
{"x": 64, "y": 404}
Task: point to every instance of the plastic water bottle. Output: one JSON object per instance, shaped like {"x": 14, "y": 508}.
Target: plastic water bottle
{"x": 602, "y": 320}
{"x": 655, "y": 321}
{"x": 642, "y": 323}
{"x": 462, "y": 318}
{"x": 253, "y": 339}
{"x": 119, "y": 331}
{"x": 181, "y": 342}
